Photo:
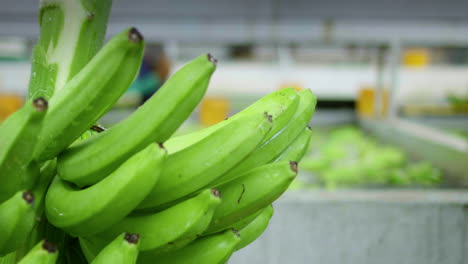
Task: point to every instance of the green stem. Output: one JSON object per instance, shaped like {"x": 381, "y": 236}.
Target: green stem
{"x": 72, "y": 31}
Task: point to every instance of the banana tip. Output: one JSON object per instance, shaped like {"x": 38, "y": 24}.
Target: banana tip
{"x": 40, "y": 104}
{"x": 216, "y": 192}
{"x": 212, "y": 59}
{"x": 269, "y": 117}
{"x": 49, "y": 247}
{"x": 28, "y": 197}
{"x": 309, "y": 127}
{"x": 98, "y": 128}
{"x": 132, "y": 238}
{"x": 134, "y": 35}
{"x": 293, "y": 166}
{"x": 236, "y": 232}
{"x": 161, "y": 145}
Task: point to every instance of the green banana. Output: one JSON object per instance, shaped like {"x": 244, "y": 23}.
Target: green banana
{"x": 192, "y": 168}
{"x": 16, "y": 221}
{"x": 17, "y": 143}
{"x": 43, "y": 253}
{"x": 211, "y": 249}
{"x": 90, "y": 93}
{"x": 122, "y": 250}
{"x": 251, "y": 192}
{"x": 93, "y": 209}
{"x": 256, "y": 228}
{"x": 159, "y": 231}
{"x": 298, "y": 147}
{"x": 272, "y": 148}
{"x": 246, "y": 220}
{"x": 155, "y": 121}
{"x": 280, "y": 105}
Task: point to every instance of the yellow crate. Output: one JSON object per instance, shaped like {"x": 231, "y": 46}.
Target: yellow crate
{"x": 416, "y": 57}
{"x": 213, "y": 109}
{"x": 9, "y": 103}
{"x": 365, "y": 102}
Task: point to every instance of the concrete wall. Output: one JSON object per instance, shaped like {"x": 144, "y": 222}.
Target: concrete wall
{"x": 371, "y": 227}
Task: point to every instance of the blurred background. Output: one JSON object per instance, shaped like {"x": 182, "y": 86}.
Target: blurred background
{"x": 386, "y": 175}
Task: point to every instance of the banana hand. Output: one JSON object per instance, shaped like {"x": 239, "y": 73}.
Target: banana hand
{"x": 190, "y": 169}
{"x": 273, "y": 147}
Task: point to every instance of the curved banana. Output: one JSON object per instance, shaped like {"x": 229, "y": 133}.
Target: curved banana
{"x": 192, "y": 168}
{"x": 280, "y": 105}
{"x": 256, "y": 228}
{"x": 17, "y": 143}
{"x": 211, "y": 249}
{"x": 122, "y": 250}
{"x": 167, "y": 229}
{"x": 182, "y": 223}
{"x": 90, "y": 93}
{"x": 93, "y": 209}
{"x": 246, "y": 220}
{"x": 298, "y": 147}
{"x": 43, "y": 253}
{"x": 155, "y": 121}
{"x": 16, "y": 221}
{"x": 251, "y": 192}
{"x": 273, "y": 147}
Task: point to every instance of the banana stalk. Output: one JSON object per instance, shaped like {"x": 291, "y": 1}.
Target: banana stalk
{"x": 72, "y": 32}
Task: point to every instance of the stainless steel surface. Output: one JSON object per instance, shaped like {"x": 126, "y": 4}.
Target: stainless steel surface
{"x": 364, "y": 227}
{"x": 445, "y": 151}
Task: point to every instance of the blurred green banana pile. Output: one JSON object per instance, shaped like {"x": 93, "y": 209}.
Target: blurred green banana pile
{"x": 133, "y": 193}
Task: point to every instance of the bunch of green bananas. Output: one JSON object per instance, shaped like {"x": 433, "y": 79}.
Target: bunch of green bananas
{"x": 132, "y": 193}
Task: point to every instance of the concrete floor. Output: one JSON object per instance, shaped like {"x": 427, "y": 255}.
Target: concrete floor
{"x": 364, "y": 227}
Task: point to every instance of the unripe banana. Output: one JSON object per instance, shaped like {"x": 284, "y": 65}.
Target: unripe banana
{"x": 211, "y": 249}
{"x": 155, "y": 121}
{"x": 93, "y": 209}
{"x": 256, "y": 228}
{"x": 246, "y": 220}
{"x": 17, "y": 142}
{"x": 251, "y": 192}
{"x": 122, "y": 250}
{"x": 273, "y": 147}
{"x": 90, "y": 93}
{"x": 190, "y": 169}
{"x": 16, "y": 221}
{"x": 167, "y": 229}
{"x": 298, "y": 147}
{"x": 280, "y": 105}
{"x": 43, "y": 253}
